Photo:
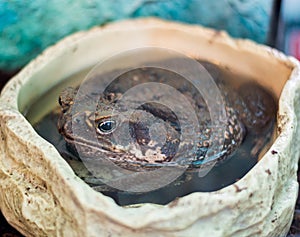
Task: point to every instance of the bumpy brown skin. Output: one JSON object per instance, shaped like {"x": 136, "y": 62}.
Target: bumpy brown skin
{"x": 130, "y": 143}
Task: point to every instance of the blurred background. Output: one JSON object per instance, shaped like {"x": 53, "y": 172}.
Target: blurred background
{"x": 288, "y": 33}
{"x": 28, "y": 27}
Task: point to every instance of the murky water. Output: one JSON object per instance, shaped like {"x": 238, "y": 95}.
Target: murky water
{"x": 44, "y": 115}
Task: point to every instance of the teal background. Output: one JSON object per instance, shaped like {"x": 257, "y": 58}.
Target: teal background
{"x": 28, "y": 27}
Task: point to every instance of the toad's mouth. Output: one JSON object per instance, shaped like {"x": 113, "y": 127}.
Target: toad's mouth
{"x": 92, "y": 149}
{"x": 91, "y": 145}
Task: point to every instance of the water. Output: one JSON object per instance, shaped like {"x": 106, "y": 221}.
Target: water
{"x": 44, "y": 120}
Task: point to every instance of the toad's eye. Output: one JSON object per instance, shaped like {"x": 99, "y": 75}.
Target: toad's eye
{"x": 107, "y": 126}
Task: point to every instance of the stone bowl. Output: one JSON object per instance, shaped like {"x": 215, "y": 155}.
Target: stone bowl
{"x": 41, "y": 196}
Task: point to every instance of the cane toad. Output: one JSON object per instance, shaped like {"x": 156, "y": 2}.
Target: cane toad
{"x": 150, "y": 134}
